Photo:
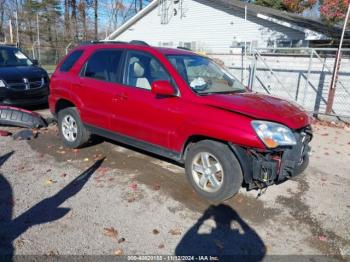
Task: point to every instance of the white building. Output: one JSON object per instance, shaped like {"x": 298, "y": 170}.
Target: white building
{"x": 219, "y": 26}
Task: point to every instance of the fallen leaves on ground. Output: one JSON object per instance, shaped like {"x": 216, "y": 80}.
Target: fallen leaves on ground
{"x": 161, "y": 246}
{"x": 175, "y": 231}
{"x": 121, "y": 240}
{"x": 119, "y": 252}
{"x": 131, "y": 199}
{"x": 52, "y": 253}
{"x": 50, "y": 181}
{"x": 156, "y": 187}
{"x": 62, "y": 152}
{"x": 133, "y": 186}
{"x": 110, "y": 232}
{"x": 322, "y": 238}
{"x": 155, "y": 231}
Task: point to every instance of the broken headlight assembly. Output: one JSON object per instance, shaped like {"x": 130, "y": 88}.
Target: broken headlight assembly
{"x": 273, "y": 134}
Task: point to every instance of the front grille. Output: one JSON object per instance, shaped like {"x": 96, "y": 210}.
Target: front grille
{"x": 26, "y": 84}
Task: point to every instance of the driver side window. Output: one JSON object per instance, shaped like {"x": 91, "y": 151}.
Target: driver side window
{"x": 142, "y": 70}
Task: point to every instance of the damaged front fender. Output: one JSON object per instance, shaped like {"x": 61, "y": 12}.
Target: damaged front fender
{"x": 262, "y": 168}
{"x": 13, "y": 116}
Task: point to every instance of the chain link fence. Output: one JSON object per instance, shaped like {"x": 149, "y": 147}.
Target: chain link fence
{"x": 47, "y": 56}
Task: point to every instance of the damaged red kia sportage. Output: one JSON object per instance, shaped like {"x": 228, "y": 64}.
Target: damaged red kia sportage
{"x": 183, "y": 106}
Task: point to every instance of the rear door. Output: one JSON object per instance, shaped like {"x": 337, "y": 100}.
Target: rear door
{"x": 96, "y": 86}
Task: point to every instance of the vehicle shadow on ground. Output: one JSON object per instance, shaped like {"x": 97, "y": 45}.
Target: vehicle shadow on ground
{"x": 45, "y": 211}
{"x": 231, "y": 238}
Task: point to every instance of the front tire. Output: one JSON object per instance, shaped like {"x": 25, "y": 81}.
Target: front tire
{"x": 72, "y": 131}
{"x": 213, "y": 170}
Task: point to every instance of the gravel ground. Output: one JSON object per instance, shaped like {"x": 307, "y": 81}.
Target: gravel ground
{"x": 109, "y": 199}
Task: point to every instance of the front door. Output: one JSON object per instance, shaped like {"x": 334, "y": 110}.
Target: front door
{"x": 140, "y": 113}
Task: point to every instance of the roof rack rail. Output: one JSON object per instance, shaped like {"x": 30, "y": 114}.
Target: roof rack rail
{"x": 184, "y": 48}
{"x": 109, "y": 42}
{"x": 138, "y": 42}
{"x": 101, "y": 42}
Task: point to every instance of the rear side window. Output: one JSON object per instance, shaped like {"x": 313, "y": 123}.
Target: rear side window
{"x": 70, "y": 60}
{"x": 103, "y": 65}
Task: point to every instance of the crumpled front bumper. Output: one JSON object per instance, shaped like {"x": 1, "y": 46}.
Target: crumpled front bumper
{"x": 264, "y": 168}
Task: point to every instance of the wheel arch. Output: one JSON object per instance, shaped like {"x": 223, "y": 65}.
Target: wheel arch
{"x": 238, "y": 151}
{"x": 62, "y": 104}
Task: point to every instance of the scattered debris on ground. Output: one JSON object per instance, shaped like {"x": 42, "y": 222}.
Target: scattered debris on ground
{"x": 5, "y": 133}
{"x": 14, "y": 116}
{"x": 175, "y": 232}
{"x": 25, "y": 134}
{"x": 119, "y": 252}
{"x": 110, "y": 232}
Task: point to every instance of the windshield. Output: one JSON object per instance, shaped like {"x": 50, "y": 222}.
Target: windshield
{"x": 204, "y": 76}
{"x": 13, "y": 57}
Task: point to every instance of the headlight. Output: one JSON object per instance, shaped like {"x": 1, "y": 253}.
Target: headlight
{"x": 273, "y": 134}
{"x": 2, "y": 83}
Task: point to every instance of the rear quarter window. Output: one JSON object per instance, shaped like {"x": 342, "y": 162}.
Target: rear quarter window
{"x": 70, "y": 60}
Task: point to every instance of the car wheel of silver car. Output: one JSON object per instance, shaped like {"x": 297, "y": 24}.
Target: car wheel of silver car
{"x": 213, "y": 170}
{"x": 72, "y": 130}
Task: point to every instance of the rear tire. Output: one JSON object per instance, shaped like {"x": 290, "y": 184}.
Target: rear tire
{"x": 72, "y": 131}
{"x": 213, "y": 170}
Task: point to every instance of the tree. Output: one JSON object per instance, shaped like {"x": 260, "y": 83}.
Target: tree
{"x": 298, "y": 6}
{"x": 2, "y": 18}
{"x": 96, "y": 19}
{"x": 50, "y": 15}
{"x": 67, "y": 31}
{"x": 275, "y": 4}
{"x": 333, "y": 11}
{"x": 30, "y": 9}
{"x": 294, "y": 6}
{"x": 82, "y": 11}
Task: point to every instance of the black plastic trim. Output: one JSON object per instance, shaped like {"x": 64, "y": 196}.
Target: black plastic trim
{"x": 155, "y": 149}
{"x": 245, "y": 161}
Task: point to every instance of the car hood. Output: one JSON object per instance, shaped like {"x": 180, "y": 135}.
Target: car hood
{"x": 13, "y": 73}
{"x": 262, "y": 107}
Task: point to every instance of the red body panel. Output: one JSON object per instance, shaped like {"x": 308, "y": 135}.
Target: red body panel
{"x": 169, "y": 121}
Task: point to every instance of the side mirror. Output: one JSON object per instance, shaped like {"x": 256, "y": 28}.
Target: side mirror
{"x": 35, "y": 62}
{"x": 162, "y": 87}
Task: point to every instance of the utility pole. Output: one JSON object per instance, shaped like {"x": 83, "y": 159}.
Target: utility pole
{"x": 17, "y": 30}
{"x": 334, "y": 80}
{"x": 11, "y": 34}
{"x": 38, "y": 34}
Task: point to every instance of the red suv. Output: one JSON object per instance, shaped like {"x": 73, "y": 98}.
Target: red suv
{"x": 181, "y": 105}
